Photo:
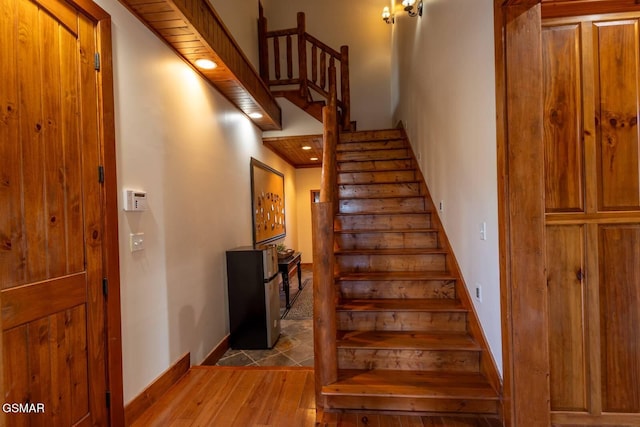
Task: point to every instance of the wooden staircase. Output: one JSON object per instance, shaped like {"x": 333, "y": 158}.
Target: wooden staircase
{"x": 407, "y": 338}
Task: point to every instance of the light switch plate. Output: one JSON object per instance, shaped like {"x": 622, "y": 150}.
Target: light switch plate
{"x": 136, "y": 241}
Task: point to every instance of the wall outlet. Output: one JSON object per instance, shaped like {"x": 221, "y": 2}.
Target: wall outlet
{"x": 478, "y": 292}
{"x": 483, "y": 231}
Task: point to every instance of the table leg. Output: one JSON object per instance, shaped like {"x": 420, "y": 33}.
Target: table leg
{"x": 285, "y": 285}
{"x": 299, "y": 277}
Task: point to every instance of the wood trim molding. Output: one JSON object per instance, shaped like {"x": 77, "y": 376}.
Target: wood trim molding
{"x": 218, "y": 351}
{"x": 562, "y": 8}
{"x": 521, "y": 213}
{"x": 156, "y": 389}
{"x": 112, "y": 247}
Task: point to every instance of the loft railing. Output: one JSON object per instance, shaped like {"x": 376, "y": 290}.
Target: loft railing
{"x": 306, "y": 66}
{"x": 322, "y": 215}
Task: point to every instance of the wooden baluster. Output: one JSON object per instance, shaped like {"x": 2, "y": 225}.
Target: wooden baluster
{"x": 345, "y": 94}
{"x": 302, "y": 54}
{"x": 314, "y": 64}
{"x": 323, "y": 69}
{"x": 289, "y": 58}
{"x": 263, "y": 47}
{"x": 276, "y": 56}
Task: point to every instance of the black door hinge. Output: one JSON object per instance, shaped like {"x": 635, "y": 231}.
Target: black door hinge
{"x": 108, "y": 399}
{"x": 105, "y": 286}
{"x": 101, "y": 174}
{"x": 96, "y": 62}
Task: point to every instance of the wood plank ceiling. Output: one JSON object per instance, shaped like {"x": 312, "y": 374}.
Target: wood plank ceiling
{"x": 291, "y": 149}
{"x": 195, "y": 31}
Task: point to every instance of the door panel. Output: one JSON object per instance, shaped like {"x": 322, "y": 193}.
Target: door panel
{"x": 563, "y": 119}
{"x": 617, "y": 53}
{"x": 620, "y": 317}
{"x": 565, "y": 277}
{"x": 51, "y": 251}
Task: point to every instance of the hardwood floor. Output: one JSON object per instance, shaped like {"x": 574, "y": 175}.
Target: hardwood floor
{"x": 267, "y": 396}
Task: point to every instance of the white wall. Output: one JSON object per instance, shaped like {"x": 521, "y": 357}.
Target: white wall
{"x": 444, "y": 91}
{"x": 357, "y": 24}
{"x": 190, "y": 149}
{"x": 306, "y": 180}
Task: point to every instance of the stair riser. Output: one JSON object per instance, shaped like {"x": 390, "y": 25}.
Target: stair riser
{"x": 417, "y": 321}
{"x": 380, "y": 165}
{"x": 350, "y": 156}
{"x": 383, "y": 222}
{"x": 409, "y": 360}
{"x": 376, "y": 135}
{"x": 396, "y": 205}
{"x": 363, "y": 191}
{"x": 397, "y": 289}
{"x": 372, "y": 145}
{"x": 389, "y": 262}
{"x": 376, "y": 177}
{"x": 411, "y": 404}
{"x": 387, "y": 240}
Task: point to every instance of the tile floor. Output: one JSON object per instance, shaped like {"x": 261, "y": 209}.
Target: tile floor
{"x": 293, "y": 348}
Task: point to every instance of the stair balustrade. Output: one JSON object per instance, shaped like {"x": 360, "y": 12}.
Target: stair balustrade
{"x": 307, "y": 67}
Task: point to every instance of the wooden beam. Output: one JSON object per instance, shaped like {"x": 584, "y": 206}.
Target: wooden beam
{"x": 235, "y": 76}
{"x": 522, "y": 263}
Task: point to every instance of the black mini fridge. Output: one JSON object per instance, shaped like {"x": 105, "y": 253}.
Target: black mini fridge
{"x": 254, "y": 298}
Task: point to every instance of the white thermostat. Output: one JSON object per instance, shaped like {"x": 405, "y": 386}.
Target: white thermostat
{"x": 135, "y": 200}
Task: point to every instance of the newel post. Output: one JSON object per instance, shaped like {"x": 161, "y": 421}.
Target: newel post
{"x": 302, "y": 54}
{"x": 324, "y": 298}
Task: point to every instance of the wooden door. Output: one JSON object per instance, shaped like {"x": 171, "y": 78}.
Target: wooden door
{"x": 51, "y": 216}
{"x": 591, "y": 138}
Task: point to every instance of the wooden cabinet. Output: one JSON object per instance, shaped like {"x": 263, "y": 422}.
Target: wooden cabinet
{"x": 591, "y": 80}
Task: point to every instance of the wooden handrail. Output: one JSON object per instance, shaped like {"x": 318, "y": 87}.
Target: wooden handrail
{"x": 310, "y": 76}
{"x": 322, "y": 214}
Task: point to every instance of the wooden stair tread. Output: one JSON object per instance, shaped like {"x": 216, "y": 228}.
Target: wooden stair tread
{"x": 369, "y": 136}
{"x": 385, "y": 213}
{"x": 406, "y": 340}
{"x": 396, "y": 275}
{"x": 389, "y": 230}
{"x": 392, "y": 251}
{"x": 362, "y": 184}
{"x": 416, "y": 384}
{"x": 402, "y": 304}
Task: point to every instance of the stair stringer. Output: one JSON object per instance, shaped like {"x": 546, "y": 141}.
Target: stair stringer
{"x": 488, "y": 366}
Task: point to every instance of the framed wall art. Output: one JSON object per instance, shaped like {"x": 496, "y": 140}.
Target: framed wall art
{"x": 267, "y": 203}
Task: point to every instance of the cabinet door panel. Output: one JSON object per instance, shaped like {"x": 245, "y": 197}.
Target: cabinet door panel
{"x": 619, "y": 255}
{"x": 565, "y": 279}
{"x": 562, "y": 119}
{"x": 617, "y": 45}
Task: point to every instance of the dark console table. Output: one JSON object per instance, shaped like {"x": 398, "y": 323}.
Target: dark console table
{"x": 285, "y": 266}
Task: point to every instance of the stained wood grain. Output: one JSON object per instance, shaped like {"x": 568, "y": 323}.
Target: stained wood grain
{"x": 272, "y": 397}
{"x": 566, "y": 278}
{"x": 619, "y": 317}
{"x": 562, "y": 119}
{"x": 617, "y": 114}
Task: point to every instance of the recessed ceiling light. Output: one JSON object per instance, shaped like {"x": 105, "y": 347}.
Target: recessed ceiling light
{"x": 205, "y": 64}
{"x": 255, "y": 115}
{"x": 306, "y": 147}
{"x": 313, "y": 159}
